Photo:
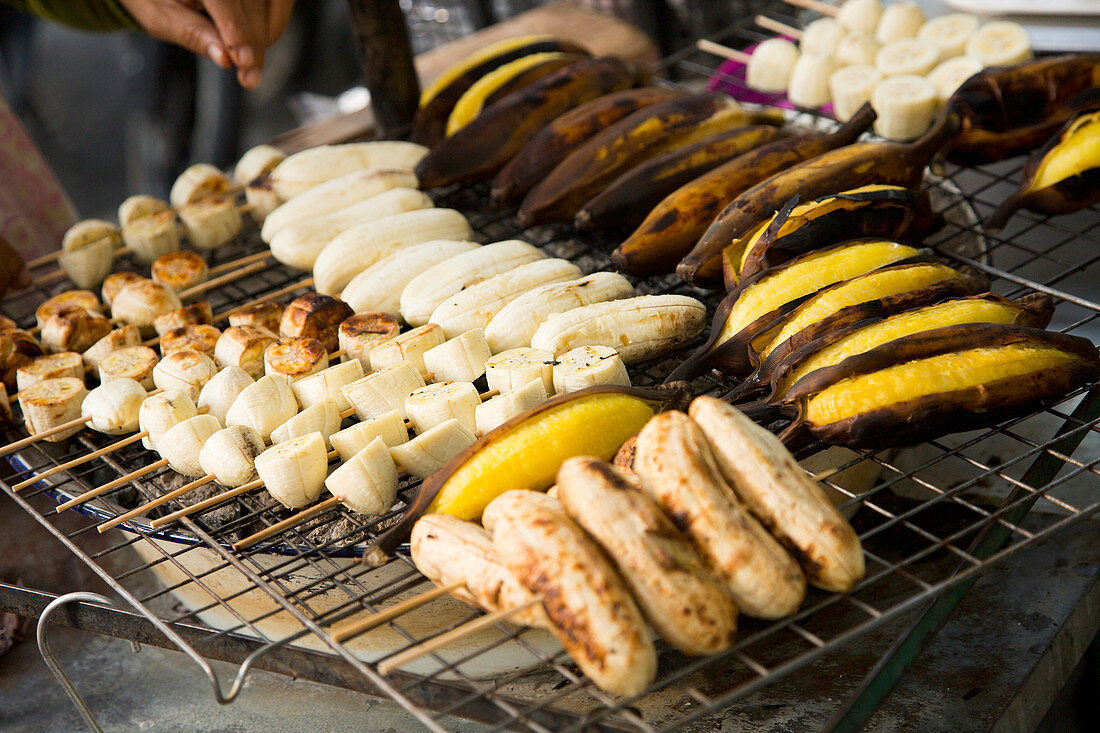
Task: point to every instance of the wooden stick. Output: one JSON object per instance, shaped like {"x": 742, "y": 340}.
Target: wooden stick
{"x": 80, "y": 460}
{"x": 724, "y": 51}
{"x": 19, "y": 444}
{"x": 205, "y": 504}
{"x": 221, "y": 280}
{"x": 489, "y": 394}
{"x": 290, "y": 521}
{"x": 776, "y": 27}
{"x": 429, "y": 646}
{"x": 43, "y": 260}
{"x": 307, "y": 282}
{"x": 138, "y": 511}
{"x": 815, "y": 5}
{"x": 827, "y": 473}
{"x": 377, "y": 619}
{"x": 240, "y": 262}
{"x": 48, "y": 278}
{"x": 121, "y": 481}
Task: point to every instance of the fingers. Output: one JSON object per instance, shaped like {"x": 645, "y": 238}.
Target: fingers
{"x": 179, "y": 23}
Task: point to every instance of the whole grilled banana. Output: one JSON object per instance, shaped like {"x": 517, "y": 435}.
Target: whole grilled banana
{"x": 378, "y": 288}
{"x": 312, "y": 167}
{"x": 653, "y": 130}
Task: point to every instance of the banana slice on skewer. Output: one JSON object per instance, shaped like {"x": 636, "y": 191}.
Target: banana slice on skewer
{"x": 114, "y": 406}
{"x": 88, "y": 250}
{"x": 498, "y": 410}
{"x": 389, "y": 426}
{"x": 1000, "y": 43}
{"x": 809, "y": 84}
{"x": 199, "y": 181}
{"x": 460, "y": 359}
{"x": 512, "y": 369}
{"x": 857, "y": 49}
{"x": 141, "y": 302}
{"x": 263, "y": 406}
{"x": 160, "y": 412}
{"x": 149, "y": 227}
{"x": 83, "y": 299}
{"x": 366, "y": 482}
{"x": 407, "y": 347}
{"x": 907, "y": 56}
{"x": 253, "y": 172}
{"x": 267, "y": 314}
{"x": 902, "y": 19}
{"x": 51, "y": 403}
{"x": 589, "y": 366}
{"x": 359, "y": 334}
{"x": 851, "y": 87}
{"x": 295, "y": 358}
{"x": 383, "y": 390}
{"x": 294, "y": 472}
{"x": 49, "y": 366}
{"x": 770, "y": 65}
{"x": 188, "y": 315}
{"x": 328, "y": 384}
{"x": 120, "y": 337}
{"x": 115, "y": 282}
{"x": 950, "y": 75}
{"x": 244, "y": 346}
{"x": 218, "y": 394}
{"x": 314, "y": 315}
{"x": 321, "y": 417}
{"x": 229, "y": 455}
{"x": 181, "y": 444}
{"x": 211, "y": 222}
{"x": 860, "y": 16}
{"x": 905, "y": 106}
{"x": 428, "y": 452}
{"x": 130, "y": 362}
{"x": 436, "y": 403}
{"x": 821, "y": 37}
{"x": 186, "y": 370}
{"x": 180, "y": 270}
{"x": 197, "y": 336}
{"x": 73, "y": 329}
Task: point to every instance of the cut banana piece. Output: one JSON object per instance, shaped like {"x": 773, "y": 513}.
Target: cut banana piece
{"x": 87, "y": 251}
{"x": 515, "y": 324}
{"x": 188, "y": 315}
{"x": 428, "y": 452}
{"x": 359, "y": 334}
{"x": 436, "y": 403}
{"x": 299, "y": 244}
{"x": 180, "y": 270}
{"x": 409, "y": 346}
{"x": 256, "y": 162}
{"x": 49, "y": 366}
{"x": 902, "y": 19}
{"x": 310, "y": 168}
{"x": 821, "y": 37}
{"x": 263, "y": 406}
{"x": 160, "y": 412}
{"x": 383, "y": 391}
{"x": 860, "y": 16}
{"x": 294, "y": 472}
{"x": 321, "y": 417}
{"x": 73, "y": 329}
{"x": 211, "y": 222}
{"x": 149, "y": 227}
{"x": 857, "y": 49}
{"x": 139, "y": 207}
{"x": 200, "y": 181}
{"x": 388, "y": 426}
{"x": 809, "y": 85}
{"x": 82, "y": 299}
{"x": 509, "y": 370}
{"x": 1000, "y": 43}
{"x": 851, "y": 88}
{"x": 315, "y": 316}
{"x": 119, "y": 338}
{"x": 366, "y": 482}
{"x": 428, "y": 290}
{"x": 186, "y": 370}
{"x": 910, "y": 56}
{"x": 950, "y": 75}
{"x": 358, "y": 248}
{"x": 475, "y": 306}
{"x": 229, "y": 455}
{"x": 130, "y": 362}
{"x": 905, "y": 106}
{"x": 589, "y": 366}
{"x": 328, "y": 384}
{"x": 114, "y": 406}
{"x": 181, "y": 444}
{"x": 334, "y": 195}
{"x": 378, "y": 288}
{"x": 638, "y": 328}
{"x": 197, "y": 336}
{"x": 770, "y": 65}
{"x": 461, "y": 359}
{"x": 115, "y": 282}
{"x": 267, "y": 314}
{"x": 141, "y": 302}
{"x": 218, "y": 394}
{"x": 244, "y": 346}
{"x": 949, "y": 33}
{"x": 292, "y": 359}
{"x": 498, "y": 410}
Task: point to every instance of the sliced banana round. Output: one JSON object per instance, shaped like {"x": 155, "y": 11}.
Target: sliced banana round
{"x": 902, "y": 19}
{"x": 314, "y": 315}
{"x": 498, "y": 410}
{"x": 359, "y": 334}
{"x": 181, "y": 444}
{"x": 436, "y": 403}
{"x": 83, "y": 299}
{"x": 263, "y": 406}
{"x": 1000, "y": 43}
{"x": 180, "y": 270}
{"x": 857, "y": 49}
{"x": 461, "y": 359}
{"x": 266, "y": 314}
{"x": 196, "y": 336}
{"x": 809, "y": 85}
{"x": 87, "y": 251}
{"x": 294, "y": 472}
{"x": 256, "y": 162}
{"x": 188, "y": 315}
{"x": 49, "y": 366}
{"x": 428, "y": 452}
{"x": 407, "y": 347}
{"x": 512, "y": 369}
{"x": 294, "y": 358}
{"x": 73, "y": 329}
{"x": 389, "y": 426}
{"x": 141, "y": 302}
{"x": 949, "y": 33}
{"x": 950, "y": 75}
{"x": 211, "y": 222}
{"x": 328, "y": 384}
{"x": 186, "y": 370}
{"x": 851, "y": 88}
{"x": 149, "y": 227}
{"x": 140, "y": 207}
{"x": 130, "y": 362}
{"x": 384, "y": 390}
{"x": 589, "y": 366}
{"x": 244, "y": 346}
{"x": 905, "y": 106}
{"x": 321, "y": 417}
{"x": 115, "y": 282}
{"x": 160, "y": 412}
{"x": 114, "y": 406}
{"x": 770, "y": 65}
{"x": 860, "y": 16}
{"x": 229, "y": 455}
{"x": 218, "y": 394}
{"x": 820, "y": 37}
{"x": 198, "y": 182}
{"x": 120, "y": 337}
{"x": 907, "y": 56}
{"x": 366, "y": 482}
{"x": 51, "y": 403}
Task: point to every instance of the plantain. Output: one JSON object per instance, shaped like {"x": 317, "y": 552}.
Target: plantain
{"x": 482, "y": 147}
{"x": 887, "y": 212}
{"x": 526, "y": 451}
{"x": 439, "y": 98}
{"x": 937, "y": 382}
{"x": 849, "y": 167}
{"x": 675, "y": 224}
{"x": 1060, "y": 178}
{"x": 632, "y": 195}
{"x": 1007, "y": 111}
{"x": 553, "y": 143}
{"x": 650, "y": 131}
{"x": 747, "y": 316}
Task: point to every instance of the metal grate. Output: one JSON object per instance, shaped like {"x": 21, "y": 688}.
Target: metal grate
{"x": 918, "y": 522}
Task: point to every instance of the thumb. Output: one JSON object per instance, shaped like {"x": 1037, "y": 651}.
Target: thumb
{"x": 183, "y": 26}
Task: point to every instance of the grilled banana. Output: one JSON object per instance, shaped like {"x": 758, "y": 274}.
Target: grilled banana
{"x": 321, "y": 417}
{"x": 160, "y": 412}
{"x": 181, "y": 444}
{"x": 211, "y": 222}
{"x": 229, "y": 455}
{"x": 495, "y": 411}
{"x": 140, "y": 303}
{"x": 589, "y": 366}
{"x": 219, "y": 393}
{"x": 122, "y": 336}
{"x": 267, "y": 314}
{"x": 244, "y": 347}
{"x": 294, "y": 472}
{"x": 328, "y": 384}
{"x": 253, "y": 172}
{"x": 149, "y": 227}
{"x": 17, "y": 348}
{"x": 51, "y": 403}
{"x": 199, "y": 181}
{"x": 407, "y": 347}
{"x": 638, "y": 328}
{"x": 114, "y": 283}
{"x": 263, "y": 406}
{"x": 189, "y": 315}
{"x": 436, "y": 403}
{"x": 382, "y": 391}
{"x": 312, "y": 167}
{"x": 511, "y": 369}
{"x": 180, "y": 270}
{"x": 200, "y": 337}
{"x": 83, "y": 299}
{"x": 294, "y": 358}
{"x": 87, "y": 251}
{"x": 360, "y": 333}
{"x": 460, "y": 359}
{"x": 389, "y": 426}
{"x": 50, "y": 366}
{"x": 378, "y": 288}
{"x": 72, "y": 329}
{"x": 366, "y": 482}
{"x": 113, "y": 406}
{"x": 431, "y": 450}
{"x": 129, "y": 362}
{"x": 186, "y": 370}
{"x": 314, "y": 315}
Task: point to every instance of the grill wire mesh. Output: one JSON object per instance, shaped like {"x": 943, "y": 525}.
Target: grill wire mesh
{"x": 917, "y": 523}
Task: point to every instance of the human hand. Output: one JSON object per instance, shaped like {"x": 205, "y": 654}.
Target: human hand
{"x": 13, "y": 273}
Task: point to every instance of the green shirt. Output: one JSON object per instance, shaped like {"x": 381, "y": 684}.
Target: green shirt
{"x": 89, "y": 15}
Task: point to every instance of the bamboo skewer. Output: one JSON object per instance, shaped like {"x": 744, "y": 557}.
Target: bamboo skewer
{"x": 816, "y": 6}
{"x": 776, "y": 27}
{"x": 19, "y": 444}
{"x": 48, "y": 278}
{"x": 120, "y": 481}
{"x": 278, "y": 527}
{"x": 222, "y": 279}
{"x": 152, "y": 504}
{"x": 205, "y": 504}
{"x": 377, "y": 619}
{"x": 724, "y": 51}
{"x": 80, "y": 461}
{"x": 58, "y": 274}
{"x": 429, "y": 646}
{"x": 241, "y": 262}
{"x": 305, "y": 283}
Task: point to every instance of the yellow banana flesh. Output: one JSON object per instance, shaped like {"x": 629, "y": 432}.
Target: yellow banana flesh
{"x": 469, "y": 104}
{"x": 457, "y": 70}
{"x": 1079, "y": 151}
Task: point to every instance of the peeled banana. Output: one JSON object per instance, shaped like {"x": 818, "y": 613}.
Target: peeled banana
{"x": 809, "y": 83}
{"x": 382, "y": 391}
{"x": 460, "y": 359}
{"x": 230, "y": 455}
{"x": 911, "y": 56}
{"x": 160, "y": 412}
{"x": 906, "y": 105}
{"x": 219, "y": 393}
{"x": 389, "y": 426}
{"x": 378, "y": 288}
{"x": 589, "y": 366}
{"x": 140, "y": 303}
{"x": 431, "y": 450}
{"x": 87, "y": 251}
{"x": 263, "y": 406}
{"x": 496, "y": 411}
{"x": 51, "y": 366}
{"x": 366, "y": 482}
{"x": 294, "y": 472}
{"x": 130, "y": 362}
{"x": 999, "y": 43}
{"x": 321, "y": 417}
{"x": 211, "y": 222}
{"x": 295, "y": 358}
{"x": 113, "y": 406}
{"x": 511, "y": 369}
{"x": 407, "y": 347}
{"x": 328, "y": 384}
{"x": 950, "y": 33}
{"x": 244, "y": 347}
{"x": 901, "y": 19}
{"x": 187, "y": 370}
{"x": 181, "y": 444}
{"x": 314, "y": 166}
{"x": 360, "y": 333}
{"x": 436, "y": 403}
{"x": 770, "y": 65}
{"x": 149, "y": 227}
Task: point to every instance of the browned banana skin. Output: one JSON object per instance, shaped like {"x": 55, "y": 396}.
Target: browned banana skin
{"x": 837, "y": 170}
{"x": 1007, "y": 111}
{"x": 675, "y": 224}
{"x": 529, "y": 76}
{"x": 932, "y": 415}
{"x": 899, "y": 215}
{"x": 553, "y": 143}
{"x": 631, "y": 196}
{"x": 482, "y": 147}
{"x": 430, "y": 123}
{"x": 591, "y": 167}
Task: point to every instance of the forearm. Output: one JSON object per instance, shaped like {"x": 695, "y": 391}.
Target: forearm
{"x": 91, "y": 15}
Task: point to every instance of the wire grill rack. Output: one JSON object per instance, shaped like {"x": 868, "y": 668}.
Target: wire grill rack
{"x": 938, "y": 514}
